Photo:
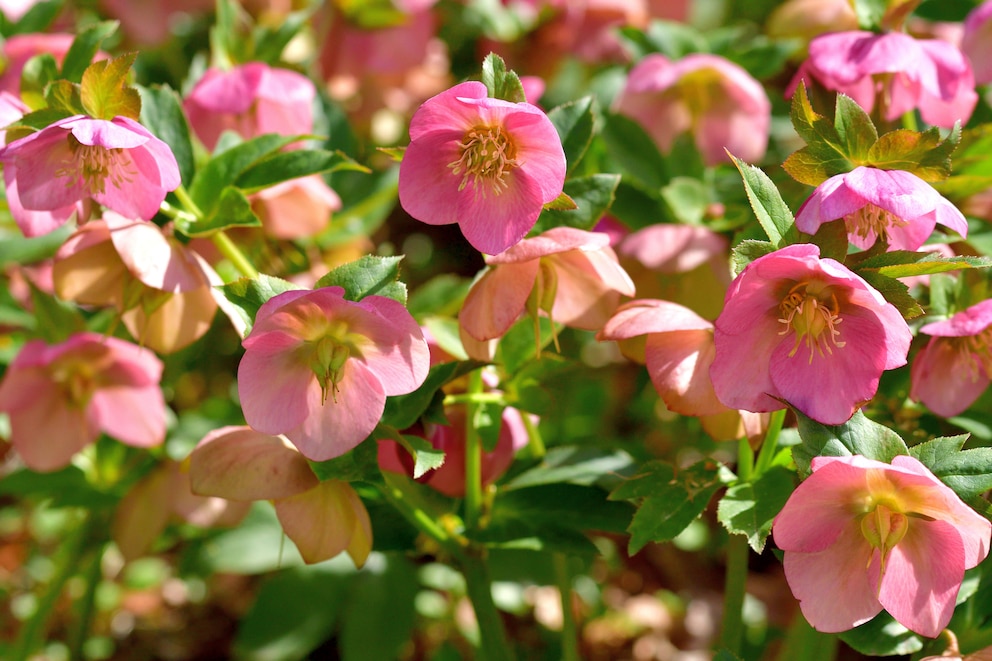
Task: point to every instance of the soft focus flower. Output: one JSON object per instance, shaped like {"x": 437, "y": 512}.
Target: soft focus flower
{"x": 806, "y": 19}
{"x": 17, "y": 49}
{"x": 11, "y": 110}
{"x": 151, "y": 22}
{"x": 977, "y": 42}
{"x": 569, "y": 275}
{"x": 50, "y": 174}
{"x": 322, "y": 518}
{"x": 297, "y": 208}
{"x": 895, "y": 206}
{"x": 318, "y": 367}
{"x": 860, "y": 535}
{"x": 251, "y": 99}
{"x": 61, "y": 397}
{"x": 162, "y": 289}
{"x": 896, "y": 70}
{"x": 488, "y": 165}
{"x": 805, "y": 330}
{"x": 717, "y": 101}
{"x": 954, "y": 368}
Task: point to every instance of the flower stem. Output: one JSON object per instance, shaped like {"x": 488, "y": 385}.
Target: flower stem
{"x": 535, "y": 444}
{"x": 475, "y": 398}
{"x": 569, "y": 630}
{"x": 393, "y": 491}
{"x": 732, "y": 630}
{"x": 768, "y": 447}
{"x": 187, "y": 202}
{"x": 493, "y": 644}
{"x": 473, "y": 455}
{"x": 93, "y": 572}
{"x": 234, "y": 254}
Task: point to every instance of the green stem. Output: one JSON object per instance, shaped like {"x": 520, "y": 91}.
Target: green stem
{"x": 768, "y": 447}
{"x": 473, "y": 455}
{"x": 87, "y": 605}
{"x": 493, "y": 644}
{"x": 233, "y": 254}
{"x": 183, "y": 196}
{"x": 732, "y": 631}
{"x": 804, "y": 642}
{"x": 475, "y": 398}
{"x": 569, "y": 630}
{"x": 745, "y": 460}
{"x": 393, "y": 492}
{"x": 535, "y": 444}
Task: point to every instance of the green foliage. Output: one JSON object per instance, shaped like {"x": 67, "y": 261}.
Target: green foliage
{"x": 368, "y": 276}
{"x": 748, "y": 508}
{"x": 104, "y": 91}
{"x": 904, "y": 263}
{"x": 634, "y": 151}
{"x": 924, "y": 154}
{"x": 84, "y": 48}
{"x": 162, "y": 114}
{"x": 379, "y": 614}
{"x": 592, "y": 196}
{"x": 882, "y": 636}
{"x": 859, "y": 435}
{"x": 967, "y": 472}
{"x": 772, "y": 212}
{"x": 501, "y": 83}
{"x": 830, "y": 147}
{"x": 574, "y": 123}
{"x": 248, "y": 294}
{"x": 282, "y": 166}
{"x": 359, "y": 465}
{"x": 402, "y": 411}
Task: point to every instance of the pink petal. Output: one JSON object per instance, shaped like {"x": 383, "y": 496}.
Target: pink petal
{"x": 48, "y": 432}
{"x": 132, "y": 415}
{"x": 497, "y": 299}
{"x": 328, "y": 503}
{"x": 493, "y": 223}
{"x": 678, "y": 363}
{"x": 944, "y": 379}
{"x": 274, "y": 386}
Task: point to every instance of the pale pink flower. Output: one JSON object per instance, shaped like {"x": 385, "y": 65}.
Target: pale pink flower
{"x": 149, "y": 23}
{"x": 52, "y": 173}
{"x": 251, "y": 99}
{"x": 296, "y": 209}
{"x": 61, "y": 397}
{"x": 318, "y": 367}
{"x": 11, "y": 110}
{"x": 488, "y": 165}
{"x": 569, "y": 275}
{"x": 860, "y": 535}
{"x": 804, "y": 330}
{"x": 893, "y": 68}
{"x": 240, "y": 464}
{"x": 895, "y": 206}
{"x": 977, "y": 42}
{"x": 954, "y": 368}
{"x": 718, "y": 102}
{"x": 17, "y": 49}
{"x": 14, "y": 10}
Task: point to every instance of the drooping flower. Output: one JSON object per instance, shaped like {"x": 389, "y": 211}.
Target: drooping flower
{"x": 297, "y": 208}
{"x": 976, "y": 43}
{"x": 488, "y": 165}
{"x": 718, "y": 102}
{"x": 860, "y": 535}
{"x": 569, "y": 275}
{"x": 317, "y": 367}
{"x": 895, "y": 206}
{"x": 61, "y": 397}
{"x": 895, "y": 70}
{"x": 322, "y": 518}
{"x": 805, "y": 330}
{"x": 955, "y": 367}
{"x": 53, "y": 173}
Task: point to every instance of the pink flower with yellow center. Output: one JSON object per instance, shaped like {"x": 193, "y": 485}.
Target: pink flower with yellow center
{"x": 488, "y": 165}
{"x": 955, "y": 367}
{"x": 895, "y": 206}
{"x": 317, "y": 367}
{"x": 55, "y": 172}
{"x": 860, "y": 535}
{"x": 808, "y": 331}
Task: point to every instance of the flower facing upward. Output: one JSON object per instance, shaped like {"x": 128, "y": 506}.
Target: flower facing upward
{"x": 895, "y": 206}
{"x": 488, "y": 165}
{"x": 860, "y": 535}
{"x": 318, "y": 367}
{"x": 54, "y": 172}
{"x": 806, "y": 330}
{"x": 953, "y": 370}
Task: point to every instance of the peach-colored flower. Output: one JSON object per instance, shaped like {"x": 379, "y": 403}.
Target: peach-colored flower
{"x": 297, "y": 208}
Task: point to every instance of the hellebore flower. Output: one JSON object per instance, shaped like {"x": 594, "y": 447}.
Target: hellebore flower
{"x": 488, "y": 165}
{"x": 860, "y": 535}
{"x": 570, "y": 275}
{"x": 297, "y": 208}
{"x": 805, "y": 330}
{"x": 895, "y": 206}
{"x": 926, "y": 74}
{"x": 54, "y": 172}
{"x": 954, "y": 368}
{"x": 322, "y": 518}
{"x": 317, "y": 367}
{"x": 61, "y": 397}
{"x": 976, "y": 43}
{"x": 717, "y": 101}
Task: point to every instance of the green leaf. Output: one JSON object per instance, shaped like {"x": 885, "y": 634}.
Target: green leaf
{"x": 574, "y": 506}
{"x": 256, "y": 546}
{"x": 870, "y": 13}
{"x": 57, "y": 320}
{"x": 64, "y": 96}
{"x": 105, "y": 93}
{"x": 359, "y": 465}
{"x": 225, "y": 167}
{"x": 747, "y": 251}
{"x": 367, "y": 276}
{"x": 561, "y": 203}
{"x": 501, "y": 83}
{"x": 379, "y": 615}
{"x": 894, "y": 292}
{"x": 882, "y": 636}
{"x": 634, "y": 151}
{"x": 402, "y": 411}
{"x": 575, "y": 465}
{"x": 748, "y": 508}
{"x": 38, "y": 18}
{"x": 283, "y": 166}
{"x": 859, "y": 435}
{"x": 687, "y": 198}
{"x": 248, "y": 294}
{"x": 922, "y": 153}
{"x": 232, "y": 209}
{"x": 826, "y": 152}
{"x": 84, "y": 47}
{"x": 271, "y": 40}
{"x": 162, "y": 114}
{"x": 574, "y": 123}
{"x": 904, "y": 263}
{"x": 592, "y": 195}
{"x": 854, "y": 128}
{"x": 772, "y": 212}
{"x": 425, "y": 456}
{"x": 967, "y": 472}
{"x": 36, "y": 75}
{"x": 18, "y": 249}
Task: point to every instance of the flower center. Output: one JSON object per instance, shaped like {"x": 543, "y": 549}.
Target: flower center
{"x": 94, "y": 166}
{"x": 976, "y": 352}
{"x": 329, "y": 352}
{"x": 811, "y": 310}
{"x": 872, "y": 221}
{"x": 487, "y": 157}
{"x": 883, "y": 528}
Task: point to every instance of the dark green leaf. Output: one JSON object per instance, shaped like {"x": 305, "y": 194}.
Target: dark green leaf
{"x": 162, "y": 114}
{"x": 248, "y": 294}
{"x": 225, "y": 167}
{"x": 967, "y": 472}
{"x": 379, "y": 614}
{"x": 367, "y": 276}
{"x": 84, "y": 47}
{"x": 402, "y": 411}
{"x": 579, "y": 507}
{"x": 359, "y": 465}
{"x": 882, "y": 636}
{"x": 749, "y": 507}
{"x": 903, "y": 263}
{"x": 19, "y": 249}
{"x": 232, "y": 209}
{"x": 634, "y": 151}
{"x": 501, "y": 83}
{"x": 286, "y": 165}
{"x": 57, "y": 320}
{"x": 747, "y": 251}
{"x": 894, "y": 292}
{"x": 826, "y": 153}
{"x": 37, "y": 73}
{"x": 854, "y": 128}
{"x": 859, "y": 435}
{"x": 593, "y": 196}
{"x": 574, "y": 123}
{"x": 769, "y": 208}
{"x": 575, "y": 465}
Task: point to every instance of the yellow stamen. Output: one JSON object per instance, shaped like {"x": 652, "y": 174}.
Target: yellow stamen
{"x": 488, "y": 155}
{"x": 811, "y": 310}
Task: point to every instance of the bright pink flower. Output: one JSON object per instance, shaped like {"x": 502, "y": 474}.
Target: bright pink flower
{"x": 954, "y": 368}
{"x": 860, "y": 535}
{"x": 118, "y": 163}
{"x": 61, "y": 397}
{"x": 488, "y": 165}
{"x": 297, "y": 208}
{"x": 895, "y": 206}
{"x": 977, "y": 42}
{"x": 807, "y": 331}
{"x": 930, "y": 75}
{"x": 717, "y": 101}
{"x": 318, "y": 367}
{"x": 569, "y": 275}
{"x": 251, "y": 99}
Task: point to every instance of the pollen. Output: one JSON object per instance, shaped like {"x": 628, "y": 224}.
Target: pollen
{"x": 487, "y": 156}
{"x": 93, "y": 166}
{"x": 872, "y": 221}
{"x": 812, "y": 312}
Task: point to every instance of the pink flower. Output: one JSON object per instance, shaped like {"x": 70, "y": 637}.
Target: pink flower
{"x": 954, "y": 368}
{"x": 895, "y": 206}
{"x": 251, "y": 100}
{"x": 717, "y": 101}
{"x": 977, "y": 42}
{"x": 569, "y": 275}
{"x": 807, "y": 331}
{"x": 297, "y": 208}
{"x": 61, "y": 397}
{"x": 930, "y": 75}
{"x": 318, "y": 367}
{"x": 486, "y": 164}
{"x": 19, "y": 48}
{"x": 240, "y": 464}
{"x": 50, "y": 174}
{"x": 860, "y": 535}
{"x": 11, "y": 110}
